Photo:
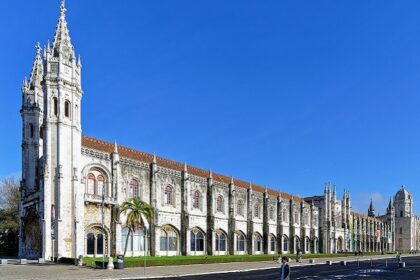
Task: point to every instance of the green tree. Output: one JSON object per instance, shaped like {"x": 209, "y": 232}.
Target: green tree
{"x": 136, "y": 211}
{"x": 9, "y": 215}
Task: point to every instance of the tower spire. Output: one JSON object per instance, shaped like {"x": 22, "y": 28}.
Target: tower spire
{"x": 37, "y": 69}
{"x": 371, "y": 211}
{"x": 62, "y": 43}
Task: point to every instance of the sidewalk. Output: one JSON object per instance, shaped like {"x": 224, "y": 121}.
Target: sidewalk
{"x": 64, "y": 272}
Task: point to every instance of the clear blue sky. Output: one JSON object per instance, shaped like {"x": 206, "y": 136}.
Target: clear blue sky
{"x": 288, "y": 94}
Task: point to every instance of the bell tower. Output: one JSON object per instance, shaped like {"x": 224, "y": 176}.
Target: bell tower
{"x": 51, "y": 147}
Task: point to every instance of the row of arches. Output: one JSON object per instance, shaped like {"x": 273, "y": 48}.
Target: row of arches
{"x": 97, "y": 242}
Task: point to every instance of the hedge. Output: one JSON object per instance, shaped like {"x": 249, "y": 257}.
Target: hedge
{"x": 186, "y": 260}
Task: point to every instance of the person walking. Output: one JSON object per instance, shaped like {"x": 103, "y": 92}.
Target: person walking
{"x": 285, "y": 269}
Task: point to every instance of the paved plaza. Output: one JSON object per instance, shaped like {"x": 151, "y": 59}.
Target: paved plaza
{"x": 231, "y": 271}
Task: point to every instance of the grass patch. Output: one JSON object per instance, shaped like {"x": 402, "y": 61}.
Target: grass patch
{"x": 186, "y": 260}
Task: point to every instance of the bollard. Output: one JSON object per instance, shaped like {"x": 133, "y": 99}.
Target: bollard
{"x": 329, "y": 262}
{"x": 23, "y": 261}
{"x": 3, "y": 261}
{"x": 386, "y": 262}
{"x": 41, "y": 260}
{"x": 110, "y": 265}
{"x": 311, "y": 261}
{"x": 343, "y": 263}
{"x": 401, "y": 264}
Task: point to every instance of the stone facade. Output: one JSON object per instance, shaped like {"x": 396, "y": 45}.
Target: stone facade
{"x": 72, "y": 186}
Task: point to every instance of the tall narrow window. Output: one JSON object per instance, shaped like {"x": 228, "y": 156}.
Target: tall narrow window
{"x": 90, "y": 244}
{"x": 101, "y": 189}
{"x": 91, "y": 183}
{"x": 272, "y": 244}
{"x": 240, "y": 243}
{"x": 219, "y": 204}
{"x": 285, "y": 243}
{"x": 196, "y": 200}
{"x": 55, "y": 106}
{"x": 257, "y": 244}
{"x": 134, "y": 187}
{"x": 220, "y": 242}
{"x": 41, "y": 133}
{"x": 100, "y": 244}
{"x": 31, "y": 130}
{"x": 67, "y": 109}
{"x": 168, "y": 195}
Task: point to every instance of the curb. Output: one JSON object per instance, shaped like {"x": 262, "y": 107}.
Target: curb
{"x": 235, "y": 271}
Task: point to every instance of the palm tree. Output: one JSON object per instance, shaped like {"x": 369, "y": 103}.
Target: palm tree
{"x": 136, "y": 210}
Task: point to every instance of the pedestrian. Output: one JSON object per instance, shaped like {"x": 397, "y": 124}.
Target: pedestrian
{"x": 299, "y": 256}
{"x": 285, "y": 269}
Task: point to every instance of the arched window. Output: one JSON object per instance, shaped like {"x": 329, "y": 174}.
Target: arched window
{"x": 271, "y": 213}
{"x": 240, "y": 242}
{"x": 220, "y": 241}
{"x": 257, "y": 210}
{"x": 100, "y": 188}
{"x": 296, "y": 218}
{"x": 196, "y": 200}
{"x": 67, "y": 109}
{"x": 134, "y": 188}
{"x": 272, "y": 243}
{"x": 100, "y": 244}
{"x": 240, "y": 208}
{"x": 169, "y": 195}
{"x": 96, "y": 242}
{"x": 135, "y": 241}
{"x": 91, "y": 184}
{"x": 168, "y": 239}
{"x": 55, "y": 106}
{"x": 285, "y": 243}
{"x": 257, "y": 242}
{"x": 197, "y": 241}
{"x": 90, "y": 244}
{"x": 219, "y": 204}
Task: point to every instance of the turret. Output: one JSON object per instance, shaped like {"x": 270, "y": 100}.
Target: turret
{"x": 371, "y": 210}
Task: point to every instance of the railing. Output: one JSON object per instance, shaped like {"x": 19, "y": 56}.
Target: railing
{"x": 94, "y": 198}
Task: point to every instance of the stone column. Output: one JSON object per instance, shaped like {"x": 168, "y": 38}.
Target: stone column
{"x": 210, "y": 215}
{"x": 185, "y": 217}
{"x": 231, "y": 221}
{"x": 250, "y": 223}
{"x": 279, "y": 226}
{"x": 265, "y": 222}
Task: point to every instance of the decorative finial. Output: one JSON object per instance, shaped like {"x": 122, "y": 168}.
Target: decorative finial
{"x": 63, "y": 7}
{"x": 185, "y": 167}
{"x": 231, "y": 180}
{"x": 210, "y": 174}
{"x": 115, "y": 147}
{"x": 38, "y": 48}
{"x": 154, "y": 158}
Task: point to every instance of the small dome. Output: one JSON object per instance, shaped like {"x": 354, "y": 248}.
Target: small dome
{"x": 403, "y": 194}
